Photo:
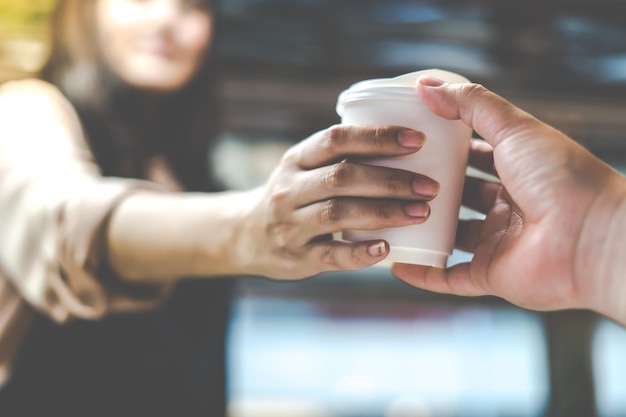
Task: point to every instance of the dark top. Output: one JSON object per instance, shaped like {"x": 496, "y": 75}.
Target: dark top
{"x": 168, "y": 362}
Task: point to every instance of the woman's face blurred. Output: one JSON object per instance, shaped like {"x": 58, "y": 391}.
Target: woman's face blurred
{"x": 154, "y": 44}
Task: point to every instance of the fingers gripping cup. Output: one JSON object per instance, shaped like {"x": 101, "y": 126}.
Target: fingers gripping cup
{"x": 444, "y": 156}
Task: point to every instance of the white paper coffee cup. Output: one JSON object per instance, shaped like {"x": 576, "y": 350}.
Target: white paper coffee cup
{"x": 393, "y": 101}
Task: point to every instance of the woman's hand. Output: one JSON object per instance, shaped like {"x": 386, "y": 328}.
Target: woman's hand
{"x": 553, "y": 236}
{"x": 317, "y": 190}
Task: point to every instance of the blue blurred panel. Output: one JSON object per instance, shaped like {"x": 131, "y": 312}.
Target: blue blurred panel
{"x": 318, "y": 359}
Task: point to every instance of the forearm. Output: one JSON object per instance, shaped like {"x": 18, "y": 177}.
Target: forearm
{"x": 155, "y": 237}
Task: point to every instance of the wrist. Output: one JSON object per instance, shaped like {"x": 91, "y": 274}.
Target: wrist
{"x": 224, "y": 242}
{"x": 602, "y": 253}
{"x": 245, "y": 241}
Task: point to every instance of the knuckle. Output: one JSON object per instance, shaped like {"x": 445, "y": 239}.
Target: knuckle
{"x": 383, "y": 211}
{"x": 330, "y": 258}
{"x": 472, "y": 89}
{"x": 280, "y": 234}
{"x": 382, "y": 135}
{"x": 466, "y": 94}
{"x": 394, "y": 184}
{"x": 356, "y": 254}
{"x": 291, "y": 156}
{"x": 338, "y": 176}
{"x": 332, "y": 211}
{"x": 277, "y": 199}
{"x": 337, "y": 137}
{"x": 341, "y": 258}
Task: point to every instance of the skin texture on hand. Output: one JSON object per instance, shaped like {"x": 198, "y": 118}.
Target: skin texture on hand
{"x": 319, "y": 189}
{"x": 555, "y": 225}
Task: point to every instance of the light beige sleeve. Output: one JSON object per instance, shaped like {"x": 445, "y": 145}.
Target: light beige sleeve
{"x": 54, "y": 207}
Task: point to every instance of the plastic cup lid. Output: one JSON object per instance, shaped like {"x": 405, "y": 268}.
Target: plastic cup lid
{"x": 398, "y": 87}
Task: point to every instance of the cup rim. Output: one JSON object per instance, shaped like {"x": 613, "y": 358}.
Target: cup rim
{"x": 400, "y": 88}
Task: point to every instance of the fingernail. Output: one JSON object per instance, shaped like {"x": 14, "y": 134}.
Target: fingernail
{"x": 411, "y": 138}
{"x": 430, "y": 81}
{"x": 425, "y": 187}
{"x": 417, "y": 209}
{"x": 377, "y": 249}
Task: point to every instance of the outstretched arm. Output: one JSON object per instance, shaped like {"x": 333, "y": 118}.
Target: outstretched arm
{"x": 283, "y": 229}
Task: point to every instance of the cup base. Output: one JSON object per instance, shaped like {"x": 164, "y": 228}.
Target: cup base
{"x": 415, "y": 256}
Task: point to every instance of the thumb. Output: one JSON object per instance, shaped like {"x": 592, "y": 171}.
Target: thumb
{"x": 491, "y": 116}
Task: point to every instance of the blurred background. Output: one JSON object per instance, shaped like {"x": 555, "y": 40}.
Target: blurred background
{"x": 362, "y": 344}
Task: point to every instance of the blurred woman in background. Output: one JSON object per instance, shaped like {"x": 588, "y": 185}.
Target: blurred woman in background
{"x": 116, "y": 242}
